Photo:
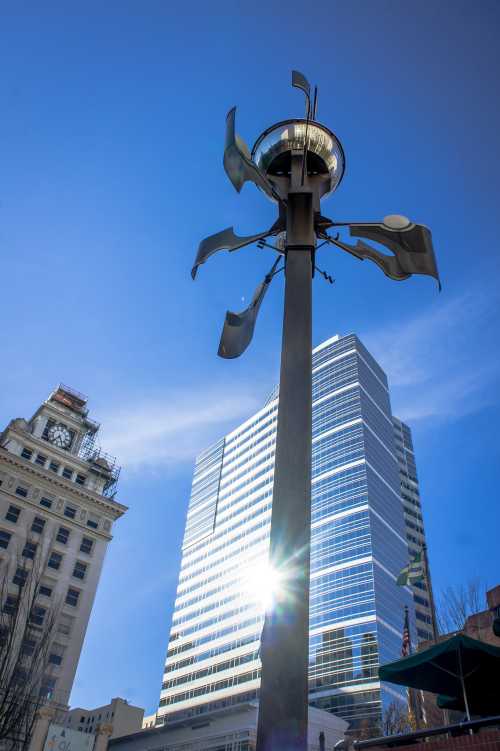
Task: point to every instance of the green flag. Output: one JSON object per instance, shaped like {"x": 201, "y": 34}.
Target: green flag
{"x": 412, "y": 573}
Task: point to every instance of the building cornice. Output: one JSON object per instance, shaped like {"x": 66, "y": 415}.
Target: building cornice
{"x": 112, "y": 507}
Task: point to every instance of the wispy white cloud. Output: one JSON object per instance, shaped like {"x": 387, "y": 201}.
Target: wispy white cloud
{"x": 172, "y": 428}
{"x": 439, "y": 363}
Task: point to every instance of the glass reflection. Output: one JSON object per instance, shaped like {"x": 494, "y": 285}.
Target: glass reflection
{"x": 290, "y": 135}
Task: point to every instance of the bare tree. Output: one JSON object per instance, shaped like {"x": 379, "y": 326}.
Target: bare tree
{"x": 26, "y": 635}
{"x": 396, "y": 719}
{"x": 457, "y": 603}
{"x": 365, "y": 730}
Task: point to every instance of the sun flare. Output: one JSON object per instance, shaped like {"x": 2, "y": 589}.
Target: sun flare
{"x": 262, "y": 583}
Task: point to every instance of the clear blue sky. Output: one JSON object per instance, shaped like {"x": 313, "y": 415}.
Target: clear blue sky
{"x": 111, "y": 136}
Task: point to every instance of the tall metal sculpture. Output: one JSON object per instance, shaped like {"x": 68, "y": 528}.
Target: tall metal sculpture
{"x": 296, "y": 163}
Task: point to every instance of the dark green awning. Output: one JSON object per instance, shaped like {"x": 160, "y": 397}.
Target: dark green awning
{"x": 457, "y": 667}
{"x": 487, "y": 705}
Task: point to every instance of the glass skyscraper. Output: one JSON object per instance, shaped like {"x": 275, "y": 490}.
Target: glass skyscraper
{"x": 358, "y": 547}
{"x": 415, "y": 533}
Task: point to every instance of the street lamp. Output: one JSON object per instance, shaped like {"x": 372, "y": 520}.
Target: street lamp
{"x": 296, "y": 163}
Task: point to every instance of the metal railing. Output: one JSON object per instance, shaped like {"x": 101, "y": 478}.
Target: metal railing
{"x": 408, "y": 738}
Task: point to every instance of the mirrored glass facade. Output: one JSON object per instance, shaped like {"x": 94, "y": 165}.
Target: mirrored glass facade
{"x": 358, "y": 547}
{"x": 414, "y": 523}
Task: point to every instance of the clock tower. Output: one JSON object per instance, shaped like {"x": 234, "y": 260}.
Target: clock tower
{"x": 57, "y": 508}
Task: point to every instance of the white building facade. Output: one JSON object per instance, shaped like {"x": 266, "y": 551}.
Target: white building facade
{"x": 358, "y": 547}
{"x": 228, "y": 729}
{"x": 57, "y": 510}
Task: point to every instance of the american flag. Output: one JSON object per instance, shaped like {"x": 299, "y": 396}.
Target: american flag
{"x": 406, "y": 643}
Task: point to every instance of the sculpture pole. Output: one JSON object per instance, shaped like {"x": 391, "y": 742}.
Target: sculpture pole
{"x": 283, "y": 703}
{"x": 297, "y": 163}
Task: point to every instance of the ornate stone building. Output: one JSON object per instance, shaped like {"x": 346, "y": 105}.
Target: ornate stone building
{"x": 57, "y": 508}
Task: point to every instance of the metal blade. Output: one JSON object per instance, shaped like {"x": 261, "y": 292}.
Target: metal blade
{"x": 238, "y": 328}
{"x": 389, "y": 264}
{"x": 224, "y": 240}
{"x": 238, "y": 163}
{"x": 412, "y": 246}
{"x": 300, "y": 82}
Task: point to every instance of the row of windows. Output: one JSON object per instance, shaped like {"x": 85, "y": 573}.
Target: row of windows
{"x": 337, "y": 350}
{"x": 91, "y": 719}
{"x": 222, "y": 586}
{"x": 410, "y": 477}
{"x": 250, "y": 491}
{"x": 211, "y": 670}
{"x": 329, "y": 454}
{"x": 21, "y": 576}
{"x": 360, "y": 709}
{"x": 178, "y": 619}
{"x": 217, "y": 618}
{"x": 229, "y": 507}
{"x": 247, "y": 456}
{"x": 247, "y": 473}
{"x": 423, "y": 635}
{"x": 212, "y": 636}
{"x": 244, "y": 482}
{"x": 211, "y": 706}
{"x": 55, "y": 561}
{"x": 421, "y": 601}
{"x": 423, "y": 617}
{"x": 414, "y": 501}
{"x": 37, "y": 527}
{"x": 223, "y": 532}
{"x": 30, "y": 645}
{"x": 351, "y": 370}
{"x": 341, "y": 595}
{"x": 264, "y": 520}
{"x": 41, "y": 460}
{"x": 38, "y": 612}
{"x": 55, "y": 558}
{"x": 210, "y": 565}
{"x": 234, "y": 680}
{"x": 200, "y": 583}
{"x": 203, "y": 489}
{"x": 205, "y": 458}
{"x": 13, "y": 513}
{"x": 69, "y": 510}
{"x": 416, "y": 515}
{"x": 252, "y": 432}
{"x": 336, "y": 410}
{"x": 413, "y": 539}
{"x": 214, "y": 652}
{"x": 416, "y": 527}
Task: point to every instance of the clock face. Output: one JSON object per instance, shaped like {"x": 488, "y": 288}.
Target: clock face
{"x": 60, "y": 436}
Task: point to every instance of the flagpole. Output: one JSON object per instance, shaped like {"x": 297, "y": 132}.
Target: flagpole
{"x": 430, "y": 593}
{"x": 412, "y": 699}
{"x": 432, "y": 604}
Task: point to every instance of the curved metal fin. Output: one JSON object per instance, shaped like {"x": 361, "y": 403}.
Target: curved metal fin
{"x": 224, "y": 240}
{"x": 389, "y": 264}
{"x": 412, "y": 247}
{"x": 238, "y": 162}
{"x": 300, "y": 82}
{"x": 238, "y": 329}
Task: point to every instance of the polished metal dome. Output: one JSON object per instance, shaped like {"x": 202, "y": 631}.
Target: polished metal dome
{"x": 325, "y": 155}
